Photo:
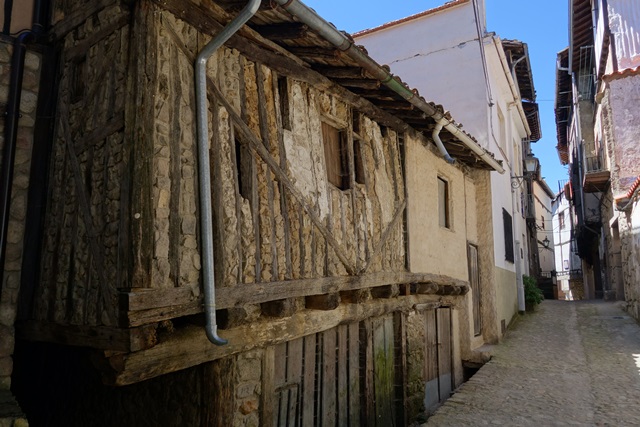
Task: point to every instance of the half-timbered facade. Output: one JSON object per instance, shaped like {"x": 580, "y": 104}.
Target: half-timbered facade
{"x": 350, "y": 267}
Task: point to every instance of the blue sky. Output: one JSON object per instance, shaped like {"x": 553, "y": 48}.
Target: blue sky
{"x": 542, "y": 24}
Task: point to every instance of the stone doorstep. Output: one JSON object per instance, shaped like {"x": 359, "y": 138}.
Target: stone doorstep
{"x": 481, "y": 355}
{"x": 10, "y": 413}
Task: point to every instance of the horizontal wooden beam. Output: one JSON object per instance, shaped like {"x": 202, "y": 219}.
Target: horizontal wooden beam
{"x": 370, "y": 84}
{"x": 286, "y": 31}
{"x": 189, "y": 346}
{"x": 314, "y": 52}
{"x": 155, "y": 305}
{"x": 340, "y": 72}
{"x": 100, "y": 337}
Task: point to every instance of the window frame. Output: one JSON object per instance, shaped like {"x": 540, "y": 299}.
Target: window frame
{"x": 444, "y": 201}
{"x": 509, "y": 250}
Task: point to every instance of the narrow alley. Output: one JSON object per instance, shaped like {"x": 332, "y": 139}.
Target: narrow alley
{"x": 569, "y": 363}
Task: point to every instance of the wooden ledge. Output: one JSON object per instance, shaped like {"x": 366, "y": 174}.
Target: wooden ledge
{"x": 189, "y": 346}
{"x": 147, "y": 306}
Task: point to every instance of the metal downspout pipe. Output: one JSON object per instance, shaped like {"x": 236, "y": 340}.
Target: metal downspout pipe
{"x": 340, "y": 41}
{"x": 202, "y": 119}
{"x": 436, "y": 138}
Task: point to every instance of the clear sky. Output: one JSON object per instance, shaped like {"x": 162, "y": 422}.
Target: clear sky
{"x": 542, "y": 24}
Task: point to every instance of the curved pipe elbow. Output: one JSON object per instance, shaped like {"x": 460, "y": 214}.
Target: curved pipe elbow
{"x": 212, "y": 335}
{"x": 436, "y": 138}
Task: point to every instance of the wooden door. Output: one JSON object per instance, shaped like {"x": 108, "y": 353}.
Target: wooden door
{"x": 314, "y": 380}
{"x": 445, "y": 365}
{"x": 474, "y": 280}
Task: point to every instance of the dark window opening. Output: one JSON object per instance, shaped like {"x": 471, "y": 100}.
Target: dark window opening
{"x": 283, "y": 92}
{"x": 335, "y": 154}
{"x": 561, "y": 220}
{"x": 243, "y": 165}
{"x": 443, "y": 203}
{"x": 77, "y": 79}
{"x": 355, "y": 122}
{"x": 508, "y": 236}
{"x": 358, "y": 164}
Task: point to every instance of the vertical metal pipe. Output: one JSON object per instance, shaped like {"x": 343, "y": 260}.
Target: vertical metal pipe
{"x": 202, "y": 118}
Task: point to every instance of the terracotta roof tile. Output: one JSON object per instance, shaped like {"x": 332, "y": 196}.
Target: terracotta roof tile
{"x": 447, "y": 5}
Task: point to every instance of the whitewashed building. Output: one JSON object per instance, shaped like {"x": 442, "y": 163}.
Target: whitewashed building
{"x": 487, "y": 84}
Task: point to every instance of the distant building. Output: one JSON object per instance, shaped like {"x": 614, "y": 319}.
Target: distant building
{"x": 568, "y": 267}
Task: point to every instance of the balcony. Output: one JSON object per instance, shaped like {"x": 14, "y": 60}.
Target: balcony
{"x": 596, "y": 177}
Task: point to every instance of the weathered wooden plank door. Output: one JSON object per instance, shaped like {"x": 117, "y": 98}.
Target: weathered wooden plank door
{"x": 445, "y": 365}
{"x": 474, "y": 280}
{"x": 438, "y": 356}
{"x": 432, "y": 389}
{"x": 316, "y": 380}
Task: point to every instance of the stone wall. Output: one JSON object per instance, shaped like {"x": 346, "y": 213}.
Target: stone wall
{"x": 619, "y": 105}
{"x": 85, "y": 250}
{"x": 628, "y": 222}
{"x": 13, "y": 262}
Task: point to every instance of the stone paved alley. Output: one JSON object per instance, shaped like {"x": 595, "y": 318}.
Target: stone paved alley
{"x": 569, "y": 363}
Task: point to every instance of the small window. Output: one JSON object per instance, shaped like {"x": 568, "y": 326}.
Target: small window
{"x": 561, "y": 220}
{"x": 358, "y": 164}
{"x": 355, "y": 122}
{"x": 335, "y": 154}
{"x": 508, "y": 236}
{"x": 78, "y": 78}
{"x": 283, "y": 92}
{"x": 243, "y": 166}
{"x": 443, "y": 203}
{"x": 542, "y": 222}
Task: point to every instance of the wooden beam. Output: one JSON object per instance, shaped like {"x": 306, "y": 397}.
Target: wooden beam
{"x": 339, "y": 72}
{"x": 286, "y": 31}
{"x": 370, "y": 84}
{"x": 100, "y": 337}
{"x": 189, "y": 346}
{"x": 314, "y": 52}
{"x": 394, "y": 105}
{"x": 79, "y": 16}
{"x": 176, "y": 302}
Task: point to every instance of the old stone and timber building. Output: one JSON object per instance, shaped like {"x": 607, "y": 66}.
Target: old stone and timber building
{"x": 597, "y": 88}
{"x": 352, "y": 273}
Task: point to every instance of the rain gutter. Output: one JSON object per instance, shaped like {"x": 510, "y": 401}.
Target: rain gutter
{"x": 345, "y": 45}
{"x": 204, "y": 170}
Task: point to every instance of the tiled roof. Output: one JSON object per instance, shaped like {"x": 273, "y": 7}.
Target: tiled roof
{"x": 627, "y": 72}
{"x": 389, "y": 24}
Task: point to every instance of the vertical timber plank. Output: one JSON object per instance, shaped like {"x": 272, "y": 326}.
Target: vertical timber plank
{"x": 343, "y": 379}
{"x": 444, "y": 352}
{"x": 283, "y": 164}
{"x": 400, "y": 354}
{"x": 218, "y": 392}
{"x": 294, "y": 378}
{"x": 354, "y": 374}
{"x": 432, "y": 393}
{"x": 266, "y": 140}
{"x": 368, "y": 408}
{"x": 268, "y": 398}
{"x": 280, "y": 375}
{"x": 308, "y": 380}
{"x": 329, "y": 378}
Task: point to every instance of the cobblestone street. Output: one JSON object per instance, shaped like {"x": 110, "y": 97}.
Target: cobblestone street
{"x": 569, "y": 363}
